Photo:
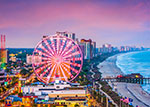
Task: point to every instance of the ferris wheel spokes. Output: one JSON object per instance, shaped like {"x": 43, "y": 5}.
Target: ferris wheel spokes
{"x": 44, "y": 65}
{"x": 39, "y": 70}
{"x": 39, "y": 63}
{"x": 41, "y": 75}
{"x": 75, "y": 64}
{"x": 73, "y": 58}
{"x": 71, "y": 68}
{"x": 46, "y": 59}
{"x": 59, "y": 57}
{"x": 53, "y": 45}
{"x": 51, "y": 72}
{"x": 66, "y": 69}
{"x": 45, "y": 50}
{"x": 73, "y": 54}
{"x": 42, "y": 53}
{"x": 50, "y": 49}
{"x": 66, "y": 47}
{"x": 63, "y": 74}
{"x": 57, "y": 44}
{"x": 70, "y": 50}
{"x": 61, "y": 47}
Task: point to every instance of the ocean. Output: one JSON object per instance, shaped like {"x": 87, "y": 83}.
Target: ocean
{"x": 135, "y": 62}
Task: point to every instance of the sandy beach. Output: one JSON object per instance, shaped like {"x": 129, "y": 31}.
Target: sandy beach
{"x": 108, "y": 68}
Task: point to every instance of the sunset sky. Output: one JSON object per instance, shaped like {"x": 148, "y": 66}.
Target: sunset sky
{"x": 118, "y": 22}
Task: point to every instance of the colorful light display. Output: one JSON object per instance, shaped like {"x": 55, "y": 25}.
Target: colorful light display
{"x": 60, "y": 57}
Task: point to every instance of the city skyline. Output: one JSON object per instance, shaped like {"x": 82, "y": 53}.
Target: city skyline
{"x": 117, "y": 22}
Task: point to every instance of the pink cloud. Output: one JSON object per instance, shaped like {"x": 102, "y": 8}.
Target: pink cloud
{"x": 130, "y": 17}
{"x": 35, "y": 18}
{"x": 125, "y": 17}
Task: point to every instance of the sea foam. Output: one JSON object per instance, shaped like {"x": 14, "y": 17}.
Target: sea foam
{"x": 135, "y": 62}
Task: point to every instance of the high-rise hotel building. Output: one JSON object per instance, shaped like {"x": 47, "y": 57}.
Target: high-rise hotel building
{"x": 87, "y": 48}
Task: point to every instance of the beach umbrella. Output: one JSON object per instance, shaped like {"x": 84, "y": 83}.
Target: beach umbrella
{"x": 130, "y": 100}
{"x": 130, "y": 104}
{"x": 126, "y": 100}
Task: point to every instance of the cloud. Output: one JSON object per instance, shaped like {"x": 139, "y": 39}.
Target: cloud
{"x": 36, "y": 17}
{"x": 130, "y": 17}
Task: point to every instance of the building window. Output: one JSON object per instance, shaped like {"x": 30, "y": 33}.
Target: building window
{"x": 63, "y": 103}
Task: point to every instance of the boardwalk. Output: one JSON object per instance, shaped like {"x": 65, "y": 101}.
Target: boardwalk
{"x": 128, "y": 80}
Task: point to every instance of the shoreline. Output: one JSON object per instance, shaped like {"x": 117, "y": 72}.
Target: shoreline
{"x": 109, "y": 68}
{"x": 145, "y": 91}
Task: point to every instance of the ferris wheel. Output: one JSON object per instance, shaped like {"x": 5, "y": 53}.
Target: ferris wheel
{"x": 57, "y": 57}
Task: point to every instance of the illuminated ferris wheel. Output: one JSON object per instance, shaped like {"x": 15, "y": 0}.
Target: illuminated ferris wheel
{"x": 57, "y": 57}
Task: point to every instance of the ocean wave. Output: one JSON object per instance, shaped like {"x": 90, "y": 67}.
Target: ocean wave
{"x": 135, "y": 62}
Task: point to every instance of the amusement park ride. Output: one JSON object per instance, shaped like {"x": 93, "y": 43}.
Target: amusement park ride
{"x": 57, "y": 60}
{"x": 60, "y": 57}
